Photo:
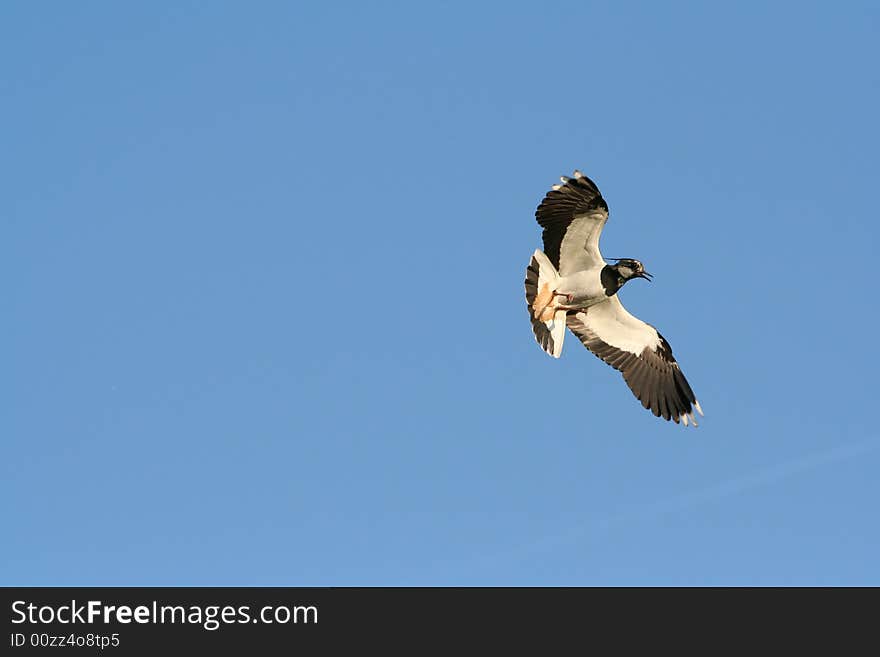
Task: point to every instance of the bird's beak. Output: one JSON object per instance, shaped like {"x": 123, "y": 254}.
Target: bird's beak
{"x": 646, "y": 276}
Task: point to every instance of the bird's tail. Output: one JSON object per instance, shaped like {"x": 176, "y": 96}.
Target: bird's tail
{"x": 548, "y": 324}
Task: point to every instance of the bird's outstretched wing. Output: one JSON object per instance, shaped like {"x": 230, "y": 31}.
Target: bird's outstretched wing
{"x": 641, "y": 354}
{"x": 572, "y": 215}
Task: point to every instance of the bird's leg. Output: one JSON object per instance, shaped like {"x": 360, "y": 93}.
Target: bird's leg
{"x": 547, "y": 303}
{"x": 568, "y": 298}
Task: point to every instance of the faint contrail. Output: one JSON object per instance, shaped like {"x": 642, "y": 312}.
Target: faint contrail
{"x": 764, "y": 476}
{"x": 755, "y": 479}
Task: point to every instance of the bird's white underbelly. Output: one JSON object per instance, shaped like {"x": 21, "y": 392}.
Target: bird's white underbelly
{"x": 585, "y": 288}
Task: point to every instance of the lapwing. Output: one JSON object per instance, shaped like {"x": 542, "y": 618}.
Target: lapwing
{"x": 569, "y": 284}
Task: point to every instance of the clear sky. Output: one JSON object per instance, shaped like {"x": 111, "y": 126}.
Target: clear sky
{"x": 264, "y": 323}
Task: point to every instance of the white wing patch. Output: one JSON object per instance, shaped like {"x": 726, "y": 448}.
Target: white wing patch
{"x": 612, "y": 324}
{"x": 580, "y": 246}
{"x": 639, "y": 352}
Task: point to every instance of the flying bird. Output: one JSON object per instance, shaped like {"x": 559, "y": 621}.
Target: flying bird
{"x": 569, "y": 284}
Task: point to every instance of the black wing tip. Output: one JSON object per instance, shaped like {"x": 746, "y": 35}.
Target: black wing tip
{"x": 680, "y": 392}
{"x": 578, "y": 192}
{"x": 577, "y": 179}
{"x": 657, "y": 383}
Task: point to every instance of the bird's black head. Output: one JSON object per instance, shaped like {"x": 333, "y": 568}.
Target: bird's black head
{"x": 624, "y": 269}
{"x": 627, "y": 269}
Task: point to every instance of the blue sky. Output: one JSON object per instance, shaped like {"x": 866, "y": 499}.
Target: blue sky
{"x": 262, "y": 274}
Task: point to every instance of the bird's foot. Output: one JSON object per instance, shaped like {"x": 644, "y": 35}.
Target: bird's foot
{"x": 565, "y": 301}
